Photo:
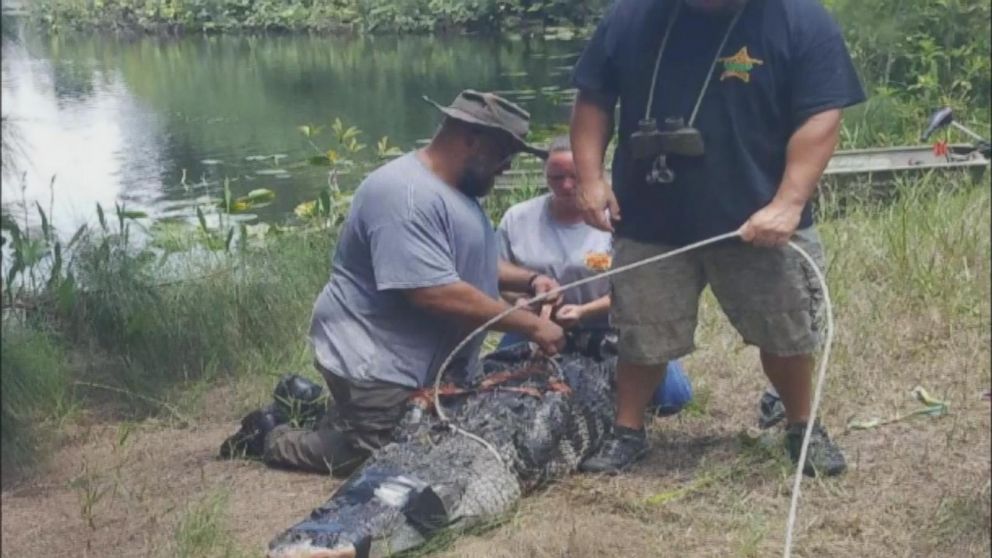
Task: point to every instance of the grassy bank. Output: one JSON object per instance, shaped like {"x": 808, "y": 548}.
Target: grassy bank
{"x": 911, "y": 293}
{"x": 135, "y": 337}
{"x": 116, "y": 317}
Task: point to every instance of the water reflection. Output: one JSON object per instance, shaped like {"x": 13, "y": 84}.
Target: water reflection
{"x": 122, "y": 120}
{"x": 82, "y": 128}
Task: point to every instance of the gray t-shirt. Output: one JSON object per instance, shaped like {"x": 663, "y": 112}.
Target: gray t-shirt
{"x": 531, "y": 238}
{"x": 406, "y": 229}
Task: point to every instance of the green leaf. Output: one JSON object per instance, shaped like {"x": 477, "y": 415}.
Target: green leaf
{"x": 319, "y": 161}
{"x": 865, "y": 424}
{"x": 324, "y": 203}
{"x": 56, "y": 271}
{"x": 934, "y": 410}
{"x": 65, "y": 294}
{"x": 15, "y": 268}
{"x": 923, "y": 396}
{"x": 119, "y": 209}
{"x": 227, "y": 195}
{"x": 75, "y": 238}
{"x": 101, "y": 216}
{"x": 45, "y": 230}
{"x": 261, "y": 195}
{"x": 202, "y": 219}
{"x": 244, "y": 236}
{"x": 134, "y": 214}
{"x": 230, "y": 237}
{"x": 306, "y": 210}
{"x": 309, "y": 131}
{"x": 32, "y": 251}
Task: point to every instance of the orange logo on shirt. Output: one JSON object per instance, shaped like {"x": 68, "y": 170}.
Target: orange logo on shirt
{"x": 598, "y": 261}
{"x": 739, "y": 66}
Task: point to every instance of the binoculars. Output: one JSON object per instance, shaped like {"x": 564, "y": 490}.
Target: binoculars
{"x": 675, "y": 138}
{"x": 648, "y": 143}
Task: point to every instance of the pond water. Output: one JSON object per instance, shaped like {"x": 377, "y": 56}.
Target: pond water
{"x": 155, "y": 123}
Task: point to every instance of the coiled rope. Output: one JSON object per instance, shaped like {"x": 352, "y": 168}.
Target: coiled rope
{"x": 817, "y": 392}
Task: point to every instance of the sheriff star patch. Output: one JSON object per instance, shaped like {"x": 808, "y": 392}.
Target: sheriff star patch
{"x": 739, "y": 66}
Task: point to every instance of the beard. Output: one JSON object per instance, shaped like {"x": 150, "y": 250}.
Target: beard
{"x": 476, "y": 182}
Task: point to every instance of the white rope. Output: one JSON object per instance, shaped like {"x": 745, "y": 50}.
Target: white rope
{"x": 545, "y": 296}
{"x": 817, "y": 392}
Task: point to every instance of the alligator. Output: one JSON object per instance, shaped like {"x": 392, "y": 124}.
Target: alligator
{"x": 523, "y": 423}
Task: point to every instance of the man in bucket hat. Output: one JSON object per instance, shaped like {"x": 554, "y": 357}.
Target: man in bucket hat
{"x": 416, "y": 268}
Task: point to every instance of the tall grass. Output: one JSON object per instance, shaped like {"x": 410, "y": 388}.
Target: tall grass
{"x": 35, "y": 381}
{"x": 927, "y": 245}
{"x": 232, "y": 314}
{"x": 203, "y": 531}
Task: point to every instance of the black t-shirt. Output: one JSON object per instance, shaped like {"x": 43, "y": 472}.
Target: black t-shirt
{"x": 784, "y": 61}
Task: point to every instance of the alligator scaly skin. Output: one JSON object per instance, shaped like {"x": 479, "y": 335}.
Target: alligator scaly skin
{"x": 433, "y": 479}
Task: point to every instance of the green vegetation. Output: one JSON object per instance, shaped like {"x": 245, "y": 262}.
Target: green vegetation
{"x": 368, "y": 16}
{"x": 150, "y": 308}
{"x": 915, "y": 57}
{"x": 203, "y": 532}
{"x": 35, "y": 382}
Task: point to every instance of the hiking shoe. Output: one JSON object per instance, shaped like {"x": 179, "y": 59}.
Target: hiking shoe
{"x": 771, "y": 411}
{"x": 250, "y": 440}
{"x": 823, "y": 456}
{"x": 299, "y": 400}
{"x": 621, "y": 449}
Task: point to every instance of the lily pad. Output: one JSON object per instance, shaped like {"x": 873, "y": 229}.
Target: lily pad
{"x": 306, "y": 210}
{"x": 261, "y": 195}
{"x": 244, "y": 217}
{"x": 271, "y": 172}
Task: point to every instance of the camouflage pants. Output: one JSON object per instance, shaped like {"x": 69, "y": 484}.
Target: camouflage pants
{"x": 361, "y": 419}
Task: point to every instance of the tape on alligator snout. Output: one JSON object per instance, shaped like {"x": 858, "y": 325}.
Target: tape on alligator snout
{"x": 307, "y": 550}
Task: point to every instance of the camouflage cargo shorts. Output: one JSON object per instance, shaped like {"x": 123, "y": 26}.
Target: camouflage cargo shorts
{"x": 770, "y": 295}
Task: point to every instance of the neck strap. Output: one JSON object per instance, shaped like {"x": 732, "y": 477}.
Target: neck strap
{"x": 709, "y": 74}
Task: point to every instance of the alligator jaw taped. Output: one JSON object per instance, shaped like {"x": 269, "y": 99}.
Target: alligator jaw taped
{"x": 307, "y": 550}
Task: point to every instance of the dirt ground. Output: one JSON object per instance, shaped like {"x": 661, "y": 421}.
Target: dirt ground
{"x": 918, "y": 487}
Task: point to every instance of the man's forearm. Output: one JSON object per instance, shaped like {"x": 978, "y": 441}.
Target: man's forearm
{"x": 808, "y": 152}
{"x": 512, "y": 277}
{"x": 591, "y": 128}
{"x": 597, "y": 307}
{"x": 470, "y": 307}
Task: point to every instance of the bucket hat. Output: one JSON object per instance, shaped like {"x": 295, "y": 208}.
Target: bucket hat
{"x": 492, "y": 111}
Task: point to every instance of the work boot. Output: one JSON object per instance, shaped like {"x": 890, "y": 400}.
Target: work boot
{"x": 621, "y": 449}
{"x": 822, "y": 457}
{"x": 771, "y": 411}
{"x": 298, "y": 399}
{"x": 250, "y": 440}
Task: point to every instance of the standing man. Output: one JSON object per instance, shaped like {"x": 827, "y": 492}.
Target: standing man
{"x": 729, "y": 112}
{"x": 416, "y": 269}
